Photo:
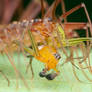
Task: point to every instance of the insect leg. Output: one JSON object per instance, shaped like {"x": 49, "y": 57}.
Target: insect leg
{"x": 81, "y": 66}
{"x": 63, "y": 9}
{"x": 16, "y": 71}
{"x": 75, "y": 9}
{"x": 29, "y": 51}
{"x": 51, "y": 9}
{"x": 30, "y": 65}
{"x": 42, "y": 8}
{"x": 5, "y": 77}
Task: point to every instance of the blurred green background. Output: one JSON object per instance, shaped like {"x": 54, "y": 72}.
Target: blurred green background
{"x": 65, "y": 82}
